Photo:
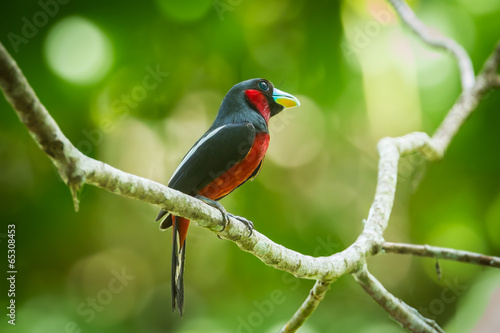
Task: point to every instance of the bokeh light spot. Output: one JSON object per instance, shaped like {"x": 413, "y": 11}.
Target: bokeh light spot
{"x": 78, "y": 51}
{"x": 297, "y": 135}
{"x": 459, "y": 234}
{"x": 115, "y": 279}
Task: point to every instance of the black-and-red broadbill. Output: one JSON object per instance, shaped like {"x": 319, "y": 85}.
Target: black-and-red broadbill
{"x": 226, "y": 156}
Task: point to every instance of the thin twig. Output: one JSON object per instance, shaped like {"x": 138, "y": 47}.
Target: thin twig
{"x": 312, "y": 301}
{"x": 441, "y": 253}
{"x": 435, "y": 39}
{"x": 467, "y": 102}
{"x": 490, "y": 67}
{"x": 399, "y": 310}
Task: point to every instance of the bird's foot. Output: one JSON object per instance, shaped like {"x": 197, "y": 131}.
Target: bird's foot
{"x": 246, "y": 222}
{"x": 225, "y": 214}
{"x": 216, "y": 205}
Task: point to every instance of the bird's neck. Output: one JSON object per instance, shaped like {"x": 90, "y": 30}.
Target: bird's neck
{"x": 259, "y": 101}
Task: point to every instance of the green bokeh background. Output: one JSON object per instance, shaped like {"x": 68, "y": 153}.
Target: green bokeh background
{"x": 360, "y": 76}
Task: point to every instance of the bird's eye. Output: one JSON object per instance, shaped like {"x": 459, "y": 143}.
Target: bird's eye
{"x": 263, "y": 85}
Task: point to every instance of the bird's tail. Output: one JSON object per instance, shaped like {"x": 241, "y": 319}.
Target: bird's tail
{"x": 180, "y": 225}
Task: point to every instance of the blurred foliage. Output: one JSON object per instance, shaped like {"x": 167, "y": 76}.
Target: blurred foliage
{"x": 134, "y": 84}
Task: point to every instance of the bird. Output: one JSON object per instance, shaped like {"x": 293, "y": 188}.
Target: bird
{"x": 230, "y": 153}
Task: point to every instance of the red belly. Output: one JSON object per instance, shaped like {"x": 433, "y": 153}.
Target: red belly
{"x": 239, "y": 172}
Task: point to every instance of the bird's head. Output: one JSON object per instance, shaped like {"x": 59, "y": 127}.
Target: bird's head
{"x": 259, "y": 95}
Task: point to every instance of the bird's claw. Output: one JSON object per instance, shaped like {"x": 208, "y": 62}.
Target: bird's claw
{"x": 247, "y": 223}
{"x": 226, "y": 215}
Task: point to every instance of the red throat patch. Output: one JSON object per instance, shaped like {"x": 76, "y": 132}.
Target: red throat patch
{"x": 260, "y": 102}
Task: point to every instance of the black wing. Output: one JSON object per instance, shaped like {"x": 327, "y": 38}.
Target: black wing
{"x": 215, "y": 153}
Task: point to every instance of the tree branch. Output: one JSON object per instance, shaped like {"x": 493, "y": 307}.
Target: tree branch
{"x": 77, "y": 169}
{"x": 441, "y": 253}
{"x": 399, "y": 310}
{"x": 307, "y": 308}
{"x": 434, "y": 38}
{"x": 467, "y": 102}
